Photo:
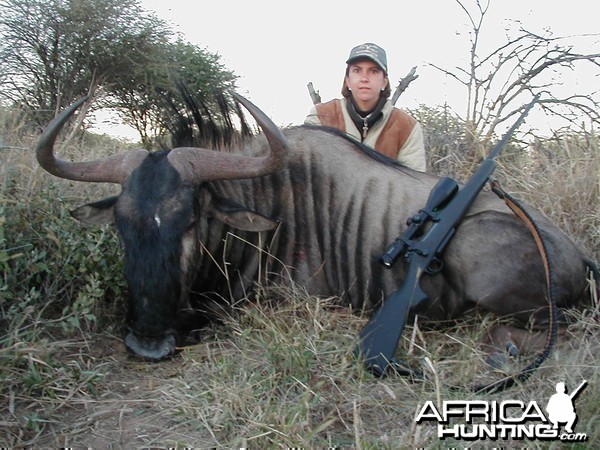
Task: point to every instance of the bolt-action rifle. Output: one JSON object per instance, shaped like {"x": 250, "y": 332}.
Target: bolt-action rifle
{"x": 422, "y": 244}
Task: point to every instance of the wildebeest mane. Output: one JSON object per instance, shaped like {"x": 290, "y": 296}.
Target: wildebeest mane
{"x": 205, "y": 119}
{"x": 367, "y": 150}
{"x": 200, "y": 126}
{"x": 326, "y": 200}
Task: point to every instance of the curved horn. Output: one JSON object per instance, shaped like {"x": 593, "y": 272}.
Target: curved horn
{"x": 109, "y": 170}
{"x": 200, "y": 165}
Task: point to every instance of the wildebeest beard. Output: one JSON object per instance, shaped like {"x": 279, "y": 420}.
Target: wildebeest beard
{"x": 151, "y": 219}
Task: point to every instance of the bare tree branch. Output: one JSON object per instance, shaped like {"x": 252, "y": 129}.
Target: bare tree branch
{"x": 499, "y": 82}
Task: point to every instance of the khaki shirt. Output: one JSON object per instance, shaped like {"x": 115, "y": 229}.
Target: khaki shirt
{"x": 397, "y": 134}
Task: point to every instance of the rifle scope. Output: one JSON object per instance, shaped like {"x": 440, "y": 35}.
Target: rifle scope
{"x": 439, "y": 197}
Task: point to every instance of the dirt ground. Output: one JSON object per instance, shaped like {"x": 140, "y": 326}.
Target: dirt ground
{"x": 126, "y": 411}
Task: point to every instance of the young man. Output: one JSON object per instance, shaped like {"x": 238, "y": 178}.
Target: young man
{"x": 366, "y": 112}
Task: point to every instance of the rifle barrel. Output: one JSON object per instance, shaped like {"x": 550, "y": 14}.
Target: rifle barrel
{"x": 512, "y": 129}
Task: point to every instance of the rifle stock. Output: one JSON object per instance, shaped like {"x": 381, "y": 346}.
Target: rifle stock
{"x": 379, "y": 338}
{"x": 445, "y": 209}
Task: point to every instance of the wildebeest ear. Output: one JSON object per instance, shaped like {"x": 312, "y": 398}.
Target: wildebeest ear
{"x": 97, "y": 213}
{"x": 240, "y": 217}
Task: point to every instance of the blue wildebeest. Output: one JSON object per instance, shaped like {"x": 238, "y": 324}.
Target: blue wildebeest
{"x": 324, "y": 207}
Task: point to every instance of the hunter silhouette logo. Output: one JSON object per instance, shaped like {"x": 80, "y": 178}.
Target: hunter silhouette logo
{"x": 509, "y": 419}
{"x": 561, "y": 407}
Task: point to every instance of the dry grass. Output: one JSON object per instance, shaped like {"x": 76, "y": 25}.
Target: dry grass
{"x": 268, "y": 377}
{"x": 272, "y": 378}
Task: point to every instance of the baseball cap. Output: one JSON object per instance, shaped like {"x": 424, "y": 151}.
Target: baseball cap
{"x": 369, "y": 51}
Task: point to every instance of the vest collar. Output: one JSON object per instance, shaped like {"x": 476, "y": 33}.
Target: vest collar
{"x": 364, "y": 120}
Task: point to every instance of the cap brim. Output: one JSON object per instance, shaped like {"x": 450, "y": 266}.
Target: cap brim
{"x": 362, "y": 57}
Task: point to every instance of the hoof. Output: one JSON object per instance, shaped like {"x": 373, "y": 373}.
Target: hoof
{"x": 498, "y": 360}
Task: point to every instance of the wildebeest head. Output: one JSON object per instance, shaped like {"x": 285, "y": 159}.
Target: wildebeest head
{"x": 156, "y": 215}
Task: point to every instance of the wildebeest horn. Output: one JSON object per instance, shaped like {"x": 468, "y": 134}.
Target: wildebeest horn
{"x": 205, "y": 165}
{"x": 113, "y": 169}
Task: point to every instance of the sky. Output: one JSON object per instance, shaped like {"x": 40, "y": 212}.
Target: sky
{"x": 277, "y": 47}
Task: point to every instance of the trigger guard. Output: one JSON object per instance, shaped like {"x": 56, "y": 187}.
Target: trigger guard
{"x": 435, "y": 267}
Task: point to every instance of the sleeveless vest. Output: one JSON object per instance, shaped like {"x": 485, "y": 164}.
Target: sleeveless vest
{"x": 397, "y": 128}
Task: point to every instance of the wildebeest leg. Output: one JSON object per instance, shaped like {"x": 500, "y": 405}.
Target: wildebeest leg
{"x": 495, "y": 265}
{"x": 504, "y": 341}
